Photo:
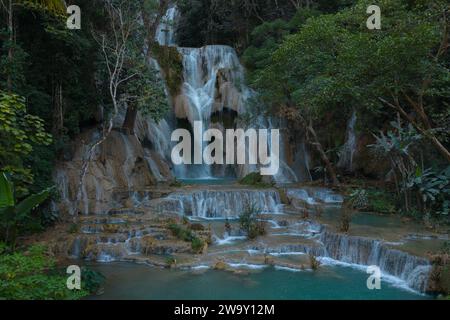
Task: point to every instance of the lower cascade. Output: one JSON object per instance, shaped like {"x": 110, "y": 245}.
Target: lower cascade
{"x": 368, "y": 252}
{"x": 140, "y": 235}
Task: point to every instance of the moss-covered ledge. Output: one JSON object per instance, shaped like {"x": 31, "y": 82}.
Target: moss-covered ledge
{"x": 171, "y": 63}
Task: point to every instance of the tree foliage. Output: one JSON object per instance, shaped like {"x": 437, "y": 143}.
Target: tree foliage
{"x": 19, "y": 133}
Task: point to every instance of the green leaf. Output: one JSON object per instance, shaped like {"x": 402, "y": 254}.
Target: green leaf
{"x": 6, "y": 192}
{"x": 25, "y": 206}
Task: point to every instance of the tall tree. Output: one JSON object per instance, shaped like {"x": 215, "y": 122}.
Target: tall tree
{"x": 53, "y": 6}
{"x": 145, "y": 84}
{"x": 334, "y": 64}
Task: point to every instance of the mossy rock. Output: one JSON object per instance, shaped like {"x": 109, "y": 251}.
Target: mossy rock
{"x": 111, "y": 228}
{"x": 220, "y": 265}
{"x": 171, "y": 63}
{"x": 255, "y": 179}
{"x": 148, "y": 244}
{"x": 251, "y": 179}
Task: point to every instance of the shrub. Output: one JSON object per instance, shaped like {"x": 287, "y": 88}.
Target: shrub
{"x": 171, "y": 262}
{"x": 181, "y": 233}
{"x": 187, "y": 235}
{"x": 381, "y": 201}
{"x": 32, "y": 275}
{"x": 91, "y": 280}
{"x": 257, "y": 229}
{"x": 250, "y": 222}
{"x": 373, "y": 200}
{"x": 197, "y": 245}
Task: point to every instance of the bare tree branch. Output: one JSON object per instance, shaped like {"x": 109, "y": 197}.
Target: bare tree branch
{"x": 114, "y": 48}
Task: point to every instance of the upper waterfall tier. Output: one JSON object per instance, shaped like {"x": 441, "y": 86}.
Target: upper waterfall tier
{"x": 213, "y": 80}
{"x": 213, "y": 83}
{"x": 165, "y": 33}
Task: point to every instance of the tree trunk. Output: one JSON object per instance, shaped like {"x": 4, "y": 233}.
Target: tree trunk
{"x": 328, "y": 165}
{"x": 440, "y": 147}
{"x": 130, "y": 120}
{"x": 58, "y": 107}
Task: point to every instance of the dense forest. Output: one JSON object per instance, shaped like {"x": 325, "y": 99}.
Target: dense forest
{"x": 313, "y": 63}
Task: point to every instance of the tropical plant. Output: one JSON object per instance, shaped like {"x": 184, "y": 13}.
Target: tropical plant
{"x": 359, "y": 199}
{"x": 250, "y": 221}
{"x": 19, "y": 133}
{"x": 15, "y": 214}
{"x": 33, "y": 275}
{"x": 433, "y": 189}
{"x": 396, "y": 145}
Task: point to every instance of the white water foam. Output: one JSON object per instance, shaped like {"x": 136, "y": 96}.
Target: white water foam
{"x": 228, "y": 240}
{"x": 247, "y": 266}
{"x": 394, "y": 281}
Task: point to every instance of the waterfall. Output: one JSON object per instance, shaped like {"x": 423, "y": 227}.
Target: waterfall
{"x": 313, "y": 196}
{"x": 348, "y": 150}
{"x": 222, "y": 204}
{"x": 363, "y": 251}
{"x": 213, "y": 79}
{"x": 214, "y": 82}
{"x": 165, "y": 33}
{"x": 285, "y": 173}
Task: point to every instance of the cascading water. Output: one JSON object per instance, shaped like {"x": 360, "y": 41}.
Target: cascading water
{"x": 165, "y": 33}
{"x": 226, "y": 203}
{"x": 210, "y": 77}
{"x": 213, "y": 83}
{"x": 348, "y": 150}
{"x": 362, "y": 251}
